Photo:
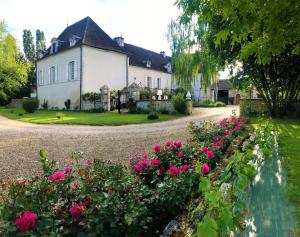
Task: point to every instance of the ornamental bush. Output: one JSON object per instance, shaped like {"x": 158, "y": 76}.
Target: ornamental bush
{"x": 98, "y": 198}
{"x": 179, "y": 103}
{"x": 153, "y": 116}
{"x": 30, "y": 105}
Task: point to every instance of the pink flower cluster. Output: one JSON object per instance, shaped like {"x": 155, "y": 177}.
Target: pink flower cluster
{"x": 218, "y": 143}
{"x": 156, "y": 148}
{"x": 26, "y": 221}
{"x": 205, "y": 168}
{"x": 23, "y": 182}
{"x": 209, "y": 154}
{"x": 57, "y": 175}
{"x": 140, "y": 166}
{"x": 174, "y": 171}
{"x": 68, "y": 169}
{"x": 76, "y": 210}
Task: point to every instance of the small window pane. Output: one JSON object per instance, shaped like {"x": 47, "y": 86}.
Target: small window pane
{"x": 72, "y": 70}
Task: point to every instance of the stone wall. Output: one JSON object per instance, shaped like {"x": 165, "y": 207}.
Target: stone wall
{"x": 252, "y": 106}
{"x": 17, "y": 103}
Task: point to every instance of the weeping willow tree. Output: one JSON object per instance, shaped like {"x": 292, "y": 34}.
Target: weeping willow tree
{"x": 189, "y": 57}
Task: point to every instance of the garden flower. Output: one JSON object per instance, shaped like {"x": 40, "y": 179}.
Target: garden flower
{"x": 162, "y": 169}
{"x": 190, "y": 139}
{"x": 210, "y": 154}
{"x": 68, "y": 169}
{"x": 110, "y": 191}
{"x": 174, "y": 171}
{"x": 58, "y": 211}
{"x": 205, "y": 169}
{"x": 130, "y": 189}
{"x": 86, "y": 202}
{"x": 74, "y": 185}
{"x": 26, "y": 221}
{"x": 178, "y": 144}
{"x": 185, "y": 168}
{"x": 156, "y": 148}
{"x": 88, "y": 162}
{"x": 76, "y": 211}
{"x": 168, "y": 143}
{"x": 155, "y": 162}
{"x": 145, "y": 156}
{"x": 137, "y": 181}
{"x": 237, "y": 127}
{"x": 23, "y": 182}
{"x": 243, "y": 120}
{"x": 218, "y": 143}
{"x": 216, "y": 137}
{"x": 140, "y": 166}
{"x": 181, "y": 154}
{"x": 205, "y": 149}
{"x": 57, "y": 175}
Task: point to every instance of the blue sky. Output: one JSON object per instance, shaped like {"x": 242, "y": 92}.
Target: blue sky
{"x": 140, "y": 22}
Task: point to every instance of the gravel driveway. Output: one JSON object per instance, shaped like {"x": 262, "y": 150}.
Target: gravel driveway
{"x": 20, "y": 142}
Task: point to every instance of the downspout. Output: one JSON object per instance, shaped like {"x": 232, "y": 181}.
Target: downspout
{"x": 80, "y": 82}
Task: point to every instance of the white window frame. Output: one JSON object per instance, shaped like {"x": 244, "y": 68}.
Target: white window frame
{"x": 52, "y": 74}
{"x": 40, "y": 77}
{"x": 149, "y": 82}
{"x": 71, "y": 71}
{"x": 158, "y": 83}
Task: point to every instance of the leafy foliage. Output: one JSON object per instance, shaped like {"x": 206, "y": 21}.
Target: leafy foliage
{"x": 179, "y": 103}
{"x": 152, "y": 116}
{"x": 30, "y": 105}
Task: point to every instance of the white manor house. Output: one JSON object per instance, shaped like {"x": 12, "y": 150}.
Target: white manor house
{"x": 84, "y": 58}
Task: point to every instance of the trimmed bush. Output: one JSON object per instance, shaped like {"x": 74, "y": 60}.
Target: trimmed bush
{"x": 208, "y": 103}
{"x": 179, "y": 103}
{"x": 153, "y": 116}
{"x": 68, "y": 104}
{"x": 30, "y": 105}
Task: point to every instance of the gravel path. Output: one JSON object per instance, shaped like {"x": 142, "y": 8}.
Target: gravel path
{"x": 20, "y": 142}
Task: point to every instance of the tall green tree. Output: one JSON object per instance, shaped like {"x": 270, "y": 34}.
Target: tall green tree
{"x": 28, "y": 45}
{"x": 40, "y": 42}
{"x": 261, "y": 37}
{"x": 13, "y": 70}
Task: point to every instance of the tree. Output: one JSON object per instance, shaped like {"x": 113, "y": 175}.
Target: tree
{"x": 262, "y": 37}
{"x": 40, "y": 42}
{"x": 28, "y": 45}
{"x": 13, "y": 71}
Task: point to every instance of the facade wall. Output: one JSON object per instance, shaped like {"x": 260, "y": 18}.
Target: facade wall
{"x": 139, "y": 76}
{"x": 62, "y": 88}
{"x": 101, "y": 67}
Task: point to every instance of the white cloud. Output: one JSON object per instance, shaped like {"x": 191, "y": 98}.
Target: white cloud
{"x": 140, "y": 22}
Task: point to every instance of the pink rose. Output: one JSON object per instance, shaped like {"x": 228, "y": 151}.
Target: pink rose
{"x": 155, "y": 162}
{"x": 205, "y": 169}
{"x": 205, "y": 149}
{"x": 57, "y": 175}
{"x": 185, "y": 168}
{"x": 86, "y": 202}
{"x": 156, "y": 148}
{"x": 210, "y": 154}
{"x": 178, "y": 144}
{"x": 162, "y": 170}
{"x": 218, "y": 143}
{"x": 174, "y": 171}
{"x": 243, "y": 120}
{"x": 74, "y": 185}
{"x": 76, "y": 211}
{"x": 181, "y": 154}
{"x": 26, "y": 221}
{"x": 140, "y": 166}
{"x": 68, "y": 169}
{"x": 88, "y": 162}
{"x": 216, "y": 137}
{"x": 137, "y": 181}
{"x": 190, "y": 139}
{"x": 237, "y": 127}
{"x": 168, "y": 143}
{"x": 145, "y": 156}
{"x": 23, "y": 182}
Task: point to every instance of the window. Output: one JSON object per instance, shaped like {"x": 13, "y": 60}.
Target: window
{"x": 149, "y": 80}
{"x": 40, "y": 77}
{"x": 158, "y": 83}
{"x": 71, "y": 71}
{"x": 52, "y": 75}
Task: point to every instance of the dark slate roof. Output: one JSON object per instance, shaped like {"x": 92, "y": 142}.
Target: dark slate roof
{"x": 224, "y": 84}
{"x": 88, "y": 33}
{"x": 138, "y": 57}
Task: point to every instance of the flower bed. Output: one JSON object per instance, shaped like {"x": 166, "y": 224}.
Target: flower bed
{"x": 103, "y": 199}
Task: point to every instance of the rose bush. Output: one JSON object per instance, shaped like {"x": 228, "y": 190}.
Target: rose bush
{"x": 96, "y": 198}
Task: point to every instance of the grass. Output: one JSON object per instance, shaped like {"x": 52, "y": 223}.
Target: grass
{"x": 83, "y": 118}
{"x": 289, "y": 148}
{"x": 208, "y": 103}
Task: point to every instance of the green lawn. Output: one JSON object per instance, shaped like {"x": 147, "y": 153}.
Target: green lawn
{"x": 289, "y": 148}
{"x": 107, "y": 118}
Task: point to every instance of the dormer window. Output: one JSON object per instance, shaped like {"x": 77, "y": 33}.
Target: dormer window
{"x": 73, "y": 40}
{"x": 168, "y": 67}
{"x": 148, "y": 63}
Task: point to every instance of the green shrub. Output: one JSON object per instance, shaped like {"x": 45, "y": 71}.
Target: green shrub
{"x": 30, "y": 105}
{"x": 153, "y": 116}
{"x": 179, "y": 103}
{"x": 68, "y": 104}
{"x": 59, "y": 115}
{"x": 12, "y": 111}
{"x": 20, "y": 114}
{"x": 220, "y": 104}
{"x": 131, "y": 106}
{"x": 208, "y": 103}
{"x": 164, "y": 111}
{"x": 45, "y": 105}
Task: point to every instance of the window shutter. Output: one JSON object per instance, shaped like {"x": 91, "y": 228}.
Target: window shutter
{"x": 56, "y": 73}
{"x": 67, "y": 72}
{"x": 75, "y": 71}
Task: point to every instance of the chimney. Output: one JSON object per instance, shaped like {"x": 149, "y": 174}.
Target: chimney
{"x": 120, "y": 41}
{"x": 163, "y": 53}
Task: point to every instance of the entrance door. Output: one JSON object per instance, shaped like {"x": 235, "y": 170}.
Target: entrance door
{"x": 223, "y": 96}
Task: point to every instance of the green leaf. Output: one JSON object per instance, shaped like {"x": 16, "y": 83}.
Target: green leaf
{"x": 204, "y": 184}
{"x": 207, "y": 228}
{"x": 43, "y": 154}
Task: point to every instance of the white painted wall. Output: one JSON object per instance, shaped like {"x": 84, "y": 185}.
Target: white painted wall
{"x": 139, "y": 75}
{"x": 102, "y": 67}
{"x": 57, "y": 93}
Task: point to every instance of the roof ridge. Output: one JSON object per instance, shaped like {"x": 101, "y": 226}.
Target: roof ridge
{"x": 86, "y": 26}
{"x": 144, "y": 49}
